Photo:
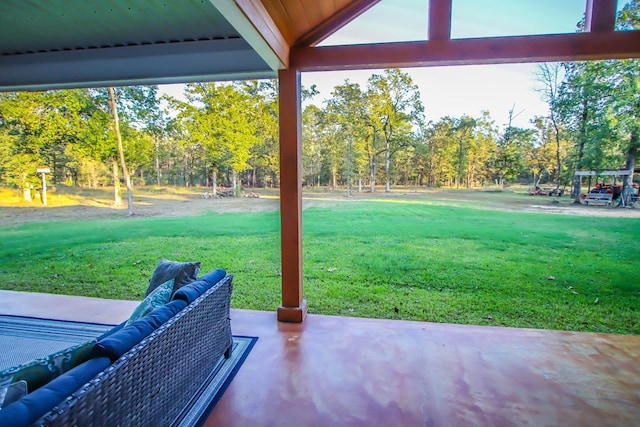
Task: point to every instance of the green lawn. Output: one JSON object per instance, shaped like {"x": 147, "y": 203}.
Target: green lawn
{"x": 396, "y": 259}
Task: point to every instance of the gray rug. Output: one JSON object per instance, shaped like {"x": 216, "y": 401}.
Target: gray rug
{"x": 24, "y": 338}
{"x": 219, "y": 378}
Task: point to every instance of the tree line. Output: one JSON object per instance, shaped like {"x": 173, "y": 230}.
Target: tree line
{"x": 362, "y": 136}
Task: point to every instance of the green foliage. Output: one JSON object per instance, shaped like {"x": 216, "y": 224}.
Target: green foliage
{"x": 229, "y": 131}
{"x": 419, "y": 258}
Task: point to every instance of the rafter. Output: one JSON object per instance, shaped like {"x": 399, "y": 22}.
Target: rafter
{"x": 335, "y": 22}
{"x": 494, "y": 50}
{"x": 439, "y": 19}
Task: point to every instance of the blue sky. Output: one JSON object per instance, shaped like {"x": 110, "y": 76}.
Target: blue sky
{"x": 465, "y": 89}
{"x": 458, "y": 90}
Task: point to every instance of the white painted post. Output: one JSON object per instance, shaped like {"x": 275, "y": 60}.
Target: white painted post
{"x": 44, "y": 170}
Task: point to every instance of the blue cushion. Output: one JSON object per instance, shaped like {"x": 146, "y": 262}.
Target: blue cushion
{"x": 30, "y": 408}
{"x": 112, "y": 330}
{"x": 118, "y": 343}
{"x": 161, "y": 314}
{"x": 193, "y": 290}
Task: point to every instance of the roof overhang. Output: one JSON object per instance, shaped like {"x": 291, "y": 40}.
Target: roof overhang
{"x": 230, "y": 59}
{"x": 85, "y": 43}
{"x": 90, "y": 43}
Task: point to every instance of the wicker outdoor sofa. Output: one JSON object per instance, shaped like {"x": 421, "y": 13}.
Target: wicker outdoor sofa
{"x": 142, "y": 374}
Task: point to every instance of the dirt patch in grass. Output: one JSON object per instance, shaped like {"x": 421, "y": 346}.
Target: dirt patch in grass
{"x": 67, "y": 204}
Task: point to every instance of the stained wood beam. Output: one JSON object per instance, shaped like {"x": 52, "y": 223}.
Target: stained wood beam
{"x": 335, "y": 22}
{"x": 439, "y": 19}
{"x": 600, "y": 15}
{"x": 494, "y": 50}
{"x": 253, "y": 22}
{"x": 294, "y": 307}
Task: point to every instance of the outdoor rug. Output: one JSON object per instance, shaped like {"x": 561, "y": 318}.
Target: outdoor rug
{"x": 202, "y": 404}
{"x": 26, "y": 338}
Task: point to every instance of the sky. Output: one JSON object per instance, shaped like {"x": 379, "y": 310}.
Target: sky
{"x": 459, "y": 90}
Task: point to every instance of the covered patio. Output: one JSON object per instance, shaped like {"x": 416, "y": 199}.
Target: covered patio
{"x": 338, "y": 371}
{"x": 332, "y": 371}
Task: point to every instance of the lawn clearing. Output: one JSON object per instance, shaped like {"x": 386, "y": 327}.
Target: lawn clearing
{"x": 398, "y": 256}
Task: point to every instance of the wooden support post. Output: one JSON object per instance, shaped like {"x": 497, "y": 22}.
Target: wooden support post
{"x": 294, "y": 307}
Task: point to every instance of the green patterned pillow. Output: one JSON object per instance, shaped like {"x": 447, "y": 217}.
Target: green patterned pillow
{"x": 159, "y": 297}
{"x": 39, "y": 372}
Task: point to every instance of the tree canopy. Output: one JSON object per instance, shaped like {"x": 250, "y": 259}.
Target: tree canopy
{"x": 361, "y": 135}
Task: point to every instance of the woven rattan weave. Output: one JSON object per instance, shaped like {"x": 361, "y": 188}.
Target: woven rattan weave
{"x": 151, "y": 384}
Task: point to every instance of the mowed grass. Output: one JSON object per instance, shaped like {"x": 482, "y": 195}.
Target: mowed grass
{"x": 394, "y": 259}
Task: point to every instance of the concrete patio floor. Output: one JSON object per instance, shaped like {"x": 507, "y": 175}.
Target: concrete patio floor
{"x": 337, "y": 371}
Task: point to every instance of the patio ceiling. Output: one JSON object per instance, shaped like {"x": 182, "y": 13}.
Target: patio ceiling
{"x": 83, "y": 43}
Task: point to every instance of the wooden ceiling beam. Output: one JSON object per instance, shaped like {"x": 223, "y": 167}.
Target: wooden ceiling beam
{"x": 335, "y": 22}
{"x": 600, "y": 15}
{"x": 493, "y": 50}
{"x": 439, "y": 19}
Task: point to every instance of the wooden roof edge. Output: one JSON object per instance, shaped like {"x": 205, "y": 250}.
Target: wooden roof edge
{"x": 335, "y": 22}
{"x": 490, "y": 50}
{"x": 255, "y": 25}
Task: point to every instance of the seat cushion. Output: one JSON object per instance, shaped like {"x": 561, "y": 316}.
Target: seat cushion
{"x": 30, "y": 408}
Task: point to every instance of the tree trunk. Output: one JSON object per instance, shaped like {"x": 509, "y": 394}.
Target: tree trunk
{"x": 117, "y": 198}
{"x": 234, "y": 183}
{"x": 372, "y": 173}
{"x": 157, "y": 163}
{"x": 577, "y": 182}
{"x": 387, "y": 162}
{"x": 558, "y": 161}
{"x": 92, "y": 176}
{"x": 125, "y": 171}
{"x": 630, "y": 164}
{"x": 253, "y": 177}
{"x": 372, "y": 164}
{"x": 26, "y": 188}
{"x": 214, "y": 183}
{"x": 333, "y": 177}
